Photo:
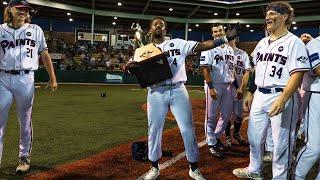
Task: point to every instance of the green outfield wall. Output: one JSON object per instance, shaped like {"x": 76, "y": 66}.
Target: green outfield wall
{"x": 101, "y": 77}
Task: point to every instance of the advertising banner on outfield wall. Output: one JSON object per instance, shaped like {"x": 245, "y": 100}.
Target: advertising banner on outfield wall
{"x": 111, "y": 78}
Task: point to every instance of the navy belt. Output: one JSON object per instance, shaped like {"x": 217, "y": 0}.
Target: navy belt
{"x": 16, "y": 72}
{"x": 270, "y": 90}
{"x": 163, "y": 84}
{"x": 171, "y": 84}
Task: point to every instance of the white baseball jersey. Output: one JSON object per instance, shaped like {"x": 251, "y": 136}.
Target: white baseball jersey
{"x": 313, "y": 48}
{"x": 20, "y": 48}
{"x": 176, "y": 51}
{"x": 242, "y": 63}
{"x": 276, "y": 61}
{"x": 222, "y": 61}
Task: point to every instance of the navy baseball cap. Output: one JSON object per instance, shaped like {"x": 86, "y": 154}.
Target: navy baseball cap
{"x": 20, "y": 4}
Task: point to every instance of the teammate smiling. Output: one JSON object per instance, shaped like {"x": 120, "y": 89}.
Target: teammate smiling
{"x": 21, "y": 44}
{"x": 281, "y": 60}
{"x": 172, "y": 94}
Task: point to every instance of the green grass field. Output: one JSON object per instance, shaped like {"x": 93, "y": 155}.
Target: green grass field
{"x": 75, "y": 122}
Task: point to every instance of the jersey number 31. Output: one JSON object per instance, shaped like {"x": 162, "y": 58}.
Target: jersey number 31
{"x": 276, "y": 72}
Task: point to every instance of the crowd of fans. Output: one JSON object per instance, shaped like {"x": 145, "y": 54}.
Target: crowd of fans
{"x": 100, "y": 57}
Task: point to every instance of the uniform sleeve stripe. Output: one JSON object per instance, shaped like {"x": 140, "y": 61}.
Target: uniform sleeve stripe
{"x": 194, "y": 47}
{"x": 204, "y": 64}
{"x": 314, "y": 57}
{"x": 315, "y": 66}
{"x": 299, "y": 70}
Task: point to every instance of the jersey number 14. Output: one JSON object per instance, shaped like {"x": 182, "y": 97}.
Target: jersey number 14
{"x": 276, "y": 72}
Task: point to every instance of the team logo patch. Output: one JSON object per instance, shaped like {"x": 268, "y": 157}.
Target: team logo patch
{"x": 28, "y": 34}
{"x": 280, "y": 48}
{"x": 302, "y": 59}
{"x": 171, "y": 44}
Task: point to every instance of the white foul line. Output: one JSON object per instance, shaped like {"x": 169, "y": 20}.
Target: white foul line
{"x": 181, "y": 155}
{"x": 173, "y": 160}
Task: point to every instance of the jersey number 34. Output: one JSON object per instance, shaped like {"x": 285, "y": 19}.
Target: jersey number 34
{"x": 276, "y": 72}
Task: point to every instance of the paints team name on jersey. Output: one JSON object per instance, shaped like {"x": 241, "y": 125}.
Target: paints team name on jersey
{"x": 222, "y": 61}
{"x": 176, "y": 51}
{"x": 20, "y": 48}
{"x": 6, "y": 45}
{"x": 242, "y": 64}
{"x": 276, "y": 61}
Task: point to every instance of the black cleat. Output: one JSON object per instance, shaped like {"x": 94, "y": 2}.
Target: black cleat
{"x": 220, "y": 145}
{"x": 240, "y": 140}
{"x": 215, "y": 151}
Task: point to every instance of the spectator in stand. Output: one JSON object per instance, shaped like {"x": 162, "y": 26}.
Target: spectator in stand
{"x": 109, "y": 66}
{"x": 130, "y": 50}
{"x": 104, "y": 50}
{"x": 82, "y": 48}
{"x": 93, "y": 62}
{"x": 120, "y": 58}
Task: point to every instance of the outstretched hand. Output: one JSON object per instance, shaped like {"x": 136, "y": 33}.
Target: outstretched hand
{"x": 232, "y": 33}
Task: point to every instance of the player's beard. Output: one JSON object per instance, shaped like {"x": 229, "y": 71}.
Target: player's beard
{"x": 157, "y": 36}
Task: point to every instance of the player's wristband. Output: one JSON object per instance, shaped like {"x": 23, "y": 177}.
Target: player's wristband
{"x": 251, "y": 87}
{"x": 219, "y": 42}
{"x": 210, "y": 85}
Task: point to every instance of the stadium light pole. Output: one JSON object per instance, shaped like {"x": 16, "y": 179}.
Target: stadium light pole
{"x": 92, "y": 28}
{"x": 186, "y": 31}
{"x": 50, "y": 25}
{"x": 92, "y": 22}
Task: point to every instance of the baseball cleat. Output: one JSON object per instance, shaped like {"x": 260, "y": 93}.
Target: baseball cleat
{"x": 268, "y": 156}
{"x": 24, "y": 165}
{"x": 240, "y": 140}
{"x": 215, "y": 151}
{"x": 244, "y": 173}
{"x": 220, "y": 145}
{"x": 196, "y": 174}
{"x": 228, "y": 142}
{"x": 152, "y": 174}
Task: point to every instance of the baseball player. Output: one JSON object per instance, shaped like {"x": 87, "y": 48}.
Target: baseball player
{"x": 21, "y": 44}
{"x": 310, "y": 153}
{"x": 218, "y": 72}
{"x": 281, "y": 60}
{"x": 172, "y": 93}
{"x": 302, "y": 100}
{"x": 242, "y": 71}
{"x": 306, "y": 82}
